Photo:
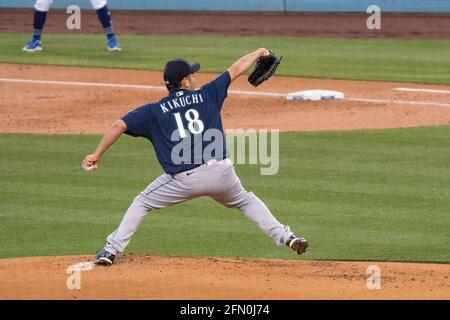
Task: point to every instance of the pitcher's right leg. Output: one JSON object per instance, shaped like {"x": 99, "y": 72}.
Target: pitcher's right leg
{"x": 235, "y": 196}
{"x": 257, "y": 211}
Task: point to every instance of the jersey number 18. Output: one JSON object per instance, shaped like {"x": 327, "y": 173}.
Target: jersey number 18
{"x": 195, "y": 125}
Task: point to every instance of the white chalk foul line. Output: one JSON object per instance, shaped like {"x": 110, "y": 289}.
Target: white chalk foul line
{"x": 130, "y": 86}
{"x": 237, "y": 92}
{"x": 422, "y": 90}
{"x": 420, "y": 103}
{"x": 85, "y": 84}
{"x": 255, "y": 93}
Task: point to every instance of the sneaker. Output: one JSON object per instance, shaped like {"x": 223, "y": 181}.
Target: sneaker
{"x": 298, "y": 244}
{"x": 113, "y": 44}
{"x": 104, "y": 258}
{"x": 32, "y": 46}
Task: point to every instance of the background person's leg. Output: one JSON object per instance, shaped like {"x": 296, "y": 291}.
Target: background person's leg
{"x": 104, "y": 16}
{"x": 41, "y": 8}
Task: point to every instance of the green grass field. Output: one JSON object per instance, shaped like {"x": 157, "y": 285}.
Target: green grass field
{"x": 360, "y": 195}
{"x": 419, "y": 61}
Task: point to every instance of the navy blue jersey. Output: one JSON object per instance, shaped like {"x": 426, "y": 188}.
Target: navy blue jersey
{"x": 185, "y": 127}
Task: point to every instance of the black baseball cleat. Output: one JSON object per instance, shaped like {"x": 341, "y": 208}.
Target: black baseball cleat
{"x": 104, "y": 258}
{"x": 298, "y": 244}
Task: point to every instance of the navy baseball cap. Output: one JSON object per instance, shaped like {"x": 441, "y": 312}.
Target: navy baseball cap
{"x": 176, "y": 70}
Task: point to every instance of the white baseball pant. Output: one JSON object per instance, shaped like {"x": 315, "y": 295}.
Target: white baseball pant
{"x": 217, "y": 180}
{"x": 44, "y": 5}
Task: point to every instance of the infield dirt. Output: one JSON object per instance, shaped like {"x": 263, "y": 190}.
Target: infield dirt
{"x": 343, "y": 25}
{"x": 155, "y": 277}
{"x": 59, "y": 108}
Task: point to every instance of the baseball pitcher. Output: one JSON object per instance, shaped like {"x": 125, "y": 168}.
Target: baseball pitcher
{"x": 41, "y": 8}
{"x": 188, "y": 115}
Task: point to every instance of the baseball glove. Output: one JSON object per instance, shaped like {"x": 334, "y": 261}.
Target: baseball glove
{"x": 265, "y": 68}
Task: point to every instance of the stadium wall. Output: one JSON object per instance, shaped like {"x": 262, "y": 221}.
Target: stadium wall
{"x": 256, "y": 5}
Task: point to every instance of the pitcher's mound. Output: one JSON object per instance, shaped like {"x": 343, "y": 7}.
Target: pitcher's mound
{"x": 155, "y": 277}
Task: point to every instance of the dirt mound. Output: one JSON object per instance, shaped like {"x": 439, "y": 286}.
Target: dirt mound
{"x": 156, "y": 277}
